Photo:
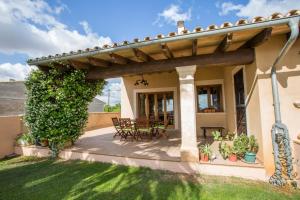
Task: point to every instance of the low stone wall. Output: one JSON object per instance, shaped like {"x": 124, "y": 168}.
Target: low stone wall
{"x": 10, "y": 128}
{"x": 100, "y": 120}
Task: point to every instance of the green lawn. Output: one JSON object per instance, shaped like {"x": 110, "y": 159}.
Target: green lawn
{"x": 33, "y": 178}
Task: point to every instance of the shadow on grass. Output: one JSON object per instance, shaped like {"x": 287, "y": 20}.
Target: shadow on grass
{"x": 50, "y": 179}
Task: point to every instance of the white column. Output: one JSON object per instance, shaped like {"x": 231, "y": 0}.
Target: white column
{"x": 189, "y": 150}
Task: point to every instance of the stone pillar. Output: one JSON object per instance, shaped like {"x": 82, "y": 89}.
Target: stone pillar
{"x": 189, "y": 150}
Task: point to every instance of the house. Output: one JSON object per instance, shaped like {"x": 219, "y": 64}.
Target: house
{"x": 96, "y": 105}
{"x": 221, "y": 76}
{"x": 12, "y": 98}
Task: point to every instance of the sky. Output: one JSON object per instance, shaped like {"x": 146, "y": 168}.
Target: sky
{"x": 34, "y": 28}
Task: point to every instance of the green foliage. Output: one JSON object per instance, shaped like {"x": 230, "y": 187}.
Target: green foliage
{"x": 56, "y": 106}
{"x": 216, "y": 135}
{"x": 206, "y": 150}
{"x": 25, "y": 139}
{"x": 252, "y": 145}
{"x": 224, "y": 149}
{"x": 115, "y": 108}
{"x": 241, "y": 145}
{"x": 230, "y": 136}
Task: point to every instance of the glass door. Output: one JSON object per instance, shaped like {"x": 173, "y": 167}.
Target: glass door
{"x": 158, "y": 106}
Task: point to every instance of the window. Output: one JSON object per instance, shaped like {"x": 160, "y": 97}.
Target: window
{"x": 209, "y": 98}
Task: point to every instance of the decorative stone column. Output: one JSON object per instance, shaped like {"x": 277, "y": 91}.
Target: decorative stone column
{"x": 189, "y": 150}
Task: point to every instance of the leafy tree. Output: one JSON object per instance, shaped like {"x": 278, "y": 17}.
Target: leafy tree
{"x": 56, "y": 105}
{"x": 115, "y": 108}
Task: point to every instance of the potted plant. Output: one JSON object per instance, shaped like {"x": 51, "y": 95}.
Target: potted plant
{"x": 224, "y": 150}
{"x": 240, "y": 144}
{"x": 252, "y": 149}
{"x": 205, "y": 152}
{"x": 233, "y": 154}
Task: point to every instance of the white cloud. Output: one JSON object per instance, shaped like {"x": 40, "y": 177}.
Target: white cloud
{"x": 259, "y": 7}
{"x": 14, "y": 71}
{"x": 30, "y": 27}
{"x": 172, "y": 14}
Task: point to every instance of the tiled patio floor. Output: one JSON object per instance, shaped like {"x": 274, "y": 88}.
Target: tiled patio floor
{"x": 101, "y": 141}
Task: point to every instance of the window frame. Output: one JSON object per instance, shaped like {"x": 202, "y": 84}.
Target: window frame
{"x": 211, "y": 83}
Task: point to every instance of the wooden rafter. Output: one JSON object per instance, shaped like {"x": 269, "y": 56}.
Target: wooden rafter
{"x": 79, "y": 64}
{"x": 98, "y": 62}
{"x": 195, "y": 47}
{"x": 167, "y": 52}
{"x": 232, "y": 58}
{"x": 258, "y": 39}
{"x": 115, "y": 58}
{"x": 140, "y": 55}
{"x": 224, "y": 45}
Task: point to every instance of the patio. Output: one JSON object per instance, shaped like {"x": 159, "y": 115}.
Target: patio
{"x": 101, "y": 142}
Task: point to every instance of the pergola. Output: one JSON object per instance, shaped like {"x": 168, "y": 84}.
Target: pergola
{"x": 227, "y": 45}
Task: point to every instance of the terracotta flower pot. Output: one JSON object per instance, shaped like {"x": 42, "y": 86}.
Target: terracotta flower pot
{"x": 204, "y": 158}
{"x": 233, "y": 158}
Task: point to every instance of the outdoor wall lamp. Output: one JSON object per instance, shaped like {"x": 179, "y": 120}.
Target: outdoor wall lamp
{"x": 141, "y": 81}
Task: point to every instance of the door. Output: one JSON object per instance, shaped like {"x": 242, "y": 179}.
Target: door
{"x": 240, "y": 107}
{"x": 157, "y": 105}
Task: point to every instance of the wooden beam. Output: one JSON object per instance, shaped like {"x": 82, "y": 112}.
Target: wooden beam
{"x": 223, "y": 46}
{"x": 258, "y": 39}
{"x": 195, "y": 47}
{"x": 98, "y": 62}
{"x": 141, "y": 55}
{"x": 232, "y": 58}
{"x": 167, "y": 52}
{"x": 115, "y": 58}
{"x": 79, "y": 64}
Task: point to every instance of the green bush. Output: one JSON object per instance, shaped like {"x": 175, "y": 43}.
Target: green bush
{"x": 241, "y": 143}
{"x": 56, "y": 105}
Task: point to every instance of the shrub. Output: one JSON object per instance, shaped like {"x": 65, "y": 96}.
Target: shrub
{"x": 241, "y": 145}
{"x": 56, "y": 105}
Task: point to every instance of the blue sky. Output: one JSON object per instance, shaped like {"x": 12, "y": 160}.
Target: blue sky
{"x": 33, "y": 28}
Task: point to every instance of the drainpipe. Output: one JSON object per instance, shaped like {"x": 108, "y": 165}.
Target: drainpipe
{"x": 294, "y": 26}
{"x": 280, "y": 135}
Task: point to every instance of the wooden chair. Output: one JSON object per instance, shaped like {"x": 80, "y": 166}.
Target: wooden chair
{"x": 117, "y": 126}
{"x": 126, "y": 128}
{"x": 161, "y": 128}
{"x": 143, "y": 128}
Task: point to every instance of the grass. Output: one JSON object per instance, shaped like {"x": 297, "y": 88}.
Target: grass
{"x": 35, "y": 178}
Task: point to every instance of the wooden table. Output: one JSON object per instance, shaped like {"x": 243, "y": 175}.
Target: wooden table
{"x": 220, "y": 129}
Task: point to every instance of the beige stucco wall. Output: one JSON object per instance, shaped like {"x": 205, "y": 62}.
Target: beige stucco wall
{"x": 296, "y": 145}
{"x": 10, "y": 127}
{"x": 289, "y": 91}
